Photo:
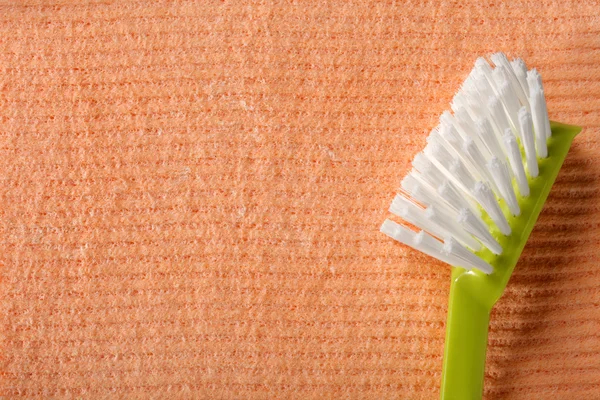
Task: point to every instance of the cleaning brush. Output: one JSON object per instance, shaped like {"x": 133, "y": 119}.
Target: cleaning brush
{"x": 473, "y": 196}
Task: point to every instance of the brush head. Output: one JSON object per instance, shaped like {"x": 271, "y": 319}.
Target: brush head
{"x": 466, "y": 172}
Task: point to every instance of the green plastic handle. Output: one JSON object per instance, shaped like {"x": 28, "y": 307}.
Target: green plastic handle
{"x": 473, "y": 294}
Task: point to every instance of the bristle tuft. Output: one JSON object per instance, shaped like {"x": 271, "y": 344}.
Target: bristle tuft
{"x": 487, "y": 200}
{"x": 476, "y": 227}
{"x": 501, "y": 177}
{"x": 526, "y": 128}
{"x": 516, "y": 162}
{"x": 469, "y": 260}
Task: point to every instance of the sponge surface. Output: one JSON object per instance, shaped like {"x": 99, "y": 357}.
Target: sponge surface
{"x": 191, "y": 194}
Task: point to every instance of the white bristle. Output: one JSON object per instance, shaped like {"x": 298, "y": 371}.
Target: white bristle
{"x": 419, "y": 189}
{"x": 545, "y": 115}
{"x": 483, "y": 82}
{"x": 443, "y": 159}
{"x": 520, "y": 70}
{"x": 449, "y": 133}
{"x": 433, "y": 247}
{"x": 469, "y": 79}
{"x": 482, "y": 63}
{"x": 516, "y": 162}
{"x": 464, "y": 120}
{"x": 534, "y": 81}
{"x": 510, "y": 102}
{"x": 471, "y": 104}
{"x": 500, "y": 59}
{"x": 535, "y": 77}
{"x": 474, "y": 154}
{"x": 435, "y": 150}
{"x": 483, "y": 68}
{"x": 459, "y": 100}
{"x": 446, "y": 121}
{"x": 485, "y": 131}
{"x": 499, "y": 76}
{"x": 469, "y": 260}
{"x": 398, "y": 232}
{"x": 437, "y": 154}
{"x": 487, "y": 200}
{"x": 433, "y": 220}
{"x": 498, "y": 115}
{"x": 409, "y": 184}
{"x": 422, "y": 164}
{"x": 413, "y": 184}
{"x": 412, "y": 213}
{"x": 468, "y": 126}
{"x": 421, "y": 241}
{"x": 470, "y": 90}
{"x": 430, "y": 173}
{"x": 448, "y": 191}
{"x": 525, "y": 126}
{"x": 539, "y": 126}
{"x": 469, "y": 163}
{"x": 506, "y": 93}
{"x": 463, "y": 117}
{"x": 446, "y": 222}
{"x": 480, "y": 91}
{"x": 462, "y": 175}
{"x": 501, "y": 176}
{"x": 476, "y": 227}
{"x": 454, "y": 197}
{"x": 451, "y": 138}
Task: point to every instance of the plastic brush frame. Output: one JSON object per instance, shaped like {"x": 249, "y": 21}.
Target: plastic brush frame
{"x": 473, "y": 293}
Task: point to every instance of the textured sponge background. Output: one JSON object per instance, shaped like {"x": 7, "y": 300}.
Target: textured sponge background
{"x": 191, "y": 193}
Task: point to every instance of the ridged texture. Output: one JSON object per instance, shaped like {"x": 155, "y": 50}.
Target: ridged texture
{"x": 192, "y": 192}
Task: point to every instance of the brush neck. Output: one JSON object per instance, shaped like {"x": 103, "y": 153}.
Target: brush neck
{"x": 466, "y": 342}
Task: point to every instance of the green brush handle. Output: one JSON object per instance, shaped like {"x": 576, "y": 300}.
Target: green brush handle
{"x": 466, "y": 342}
{"x": 473, "y": 294}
